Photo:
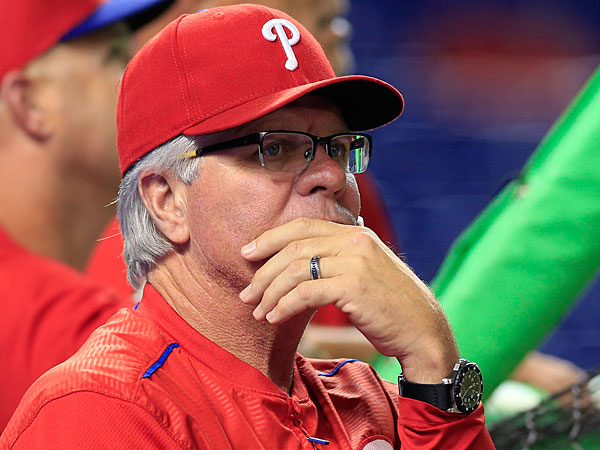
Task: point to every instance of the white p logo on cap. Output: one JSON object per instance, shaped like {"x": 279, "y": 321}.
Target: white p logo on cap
{"x": 278, "y": 24}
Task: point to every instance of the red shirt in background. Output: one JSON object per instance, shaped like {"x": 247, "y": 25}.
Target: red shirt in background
{"x": 48, "y": 311}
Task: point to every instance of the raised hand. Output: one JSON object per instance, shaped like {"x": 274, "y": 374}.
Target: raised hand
{"x": 361, "y": 276}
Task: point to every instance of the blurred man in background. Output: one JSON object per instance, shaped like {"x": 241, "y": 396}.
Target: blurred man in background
{"x": 60, "y": 66}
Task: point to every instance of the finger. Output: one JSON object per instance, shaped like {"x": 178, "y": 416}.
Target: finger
{"x": 307, "y": 295}
{"x": 275, "y": 239}
{"x": 296, "y": 250}
{"x": 297, "y": 272}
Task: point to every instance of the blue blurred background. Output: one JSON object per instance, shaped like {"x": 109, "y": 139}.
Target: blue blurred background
{"x": 483, "y": 83}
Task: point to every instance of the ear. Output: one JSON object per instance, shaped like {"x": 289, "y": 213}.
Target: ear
{"x": 19, "y": 94}
{"x": 165, "y": 201}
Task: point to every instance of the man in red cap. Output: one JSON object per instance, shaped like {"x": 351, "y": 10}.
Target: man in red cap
{"x": 238, "y": 147}
{"x": 329, "y": 334}
{"x": 61, "y": 61}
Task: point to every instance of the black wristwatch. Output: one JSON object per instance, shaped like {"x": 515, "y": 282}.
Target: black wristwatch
{"x": 460, "y": 392}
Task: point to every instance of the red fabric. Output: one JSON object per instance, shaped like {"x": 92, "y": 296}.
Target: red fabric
{"x": 215, "y": 70}
{"x": 30, "y": 27}
{"x": 203, "y": 397}
{"x": 374, "y": 211}
{"x": 48, "y": 310}
{"x": 330, "y": 316}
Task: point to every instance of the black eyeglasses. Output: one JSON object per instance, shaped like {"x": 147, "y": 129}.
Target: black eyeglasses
{"x": 293, "y": 151}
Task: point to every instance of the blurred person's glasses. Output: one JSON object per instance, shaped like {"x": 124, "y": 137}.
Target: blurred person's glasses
{"x": 293, "y": 151}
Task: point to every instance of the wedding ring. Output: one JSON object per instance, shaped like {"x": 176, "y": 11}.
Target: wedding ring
{"x": 315, "y": 268}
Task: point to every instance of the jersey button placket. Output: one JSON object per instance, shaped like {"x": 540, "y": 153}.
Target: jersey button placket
{"x": 301, "y": 431}
{"x": 296, "y": 425}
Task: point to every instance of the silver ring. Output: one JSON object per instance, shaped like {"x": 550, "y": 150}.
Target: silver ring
{"x": 315, "y": 268}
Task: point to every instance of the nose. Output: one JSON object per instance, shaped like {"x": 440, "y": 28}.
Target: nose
{"x": 323, "y": 175}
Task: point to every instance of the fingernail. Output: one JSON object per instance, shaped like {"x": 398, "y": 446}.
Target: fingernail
{"x": 245, "y": 292}
{"x": 271, "y": 316}
{"x": 248, "y": 248}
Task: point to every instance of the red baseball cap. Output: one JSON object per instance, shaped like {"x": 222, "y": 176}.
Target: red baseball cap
{"x": 30, "y": 27}
{"x": 224, "y": 67}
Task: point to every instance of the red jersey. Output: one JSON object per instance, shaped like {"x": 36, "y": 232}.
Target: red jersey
{"x": 48, "y": 311}
{"x": 148, "y": 380}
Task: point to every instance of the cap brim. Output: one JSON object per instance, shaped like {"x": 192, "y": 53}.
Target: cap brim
{"x": 136, "y": 12}
{"x": 365, "y": 102}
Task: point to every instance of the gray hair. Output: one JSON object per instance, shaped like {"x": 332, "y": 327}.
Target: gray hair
{"x": 144, "y": 244}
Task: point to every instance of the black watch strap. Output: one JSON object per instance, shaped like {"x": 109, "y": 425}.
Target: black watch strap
{"x": 439, "y": 395}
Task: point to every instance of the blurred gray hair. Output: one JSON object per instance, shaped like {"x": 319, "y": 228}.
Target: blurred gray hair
{"x": 144, "y": 244}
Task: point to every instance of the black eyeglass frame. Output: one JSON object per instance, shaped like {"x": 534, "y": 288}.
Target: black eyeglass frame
{"x": 258, "y": 139}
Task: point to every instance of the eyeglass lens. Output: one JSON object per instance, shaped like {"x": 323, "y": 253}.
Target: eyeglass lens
{"x": 291, "y": 152}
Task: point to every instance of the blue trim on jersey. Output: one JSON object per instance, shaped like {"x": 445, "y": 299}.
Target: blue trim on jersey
{"x": 136, "y": 305}
{"x": 154, "y": 367}
{"x": 318, "y": 441}
{"x": 334, "y": 371}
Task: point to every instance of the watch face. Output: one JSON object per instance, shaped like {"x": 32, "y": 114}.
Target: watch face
{"x": 468, "y": 388}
